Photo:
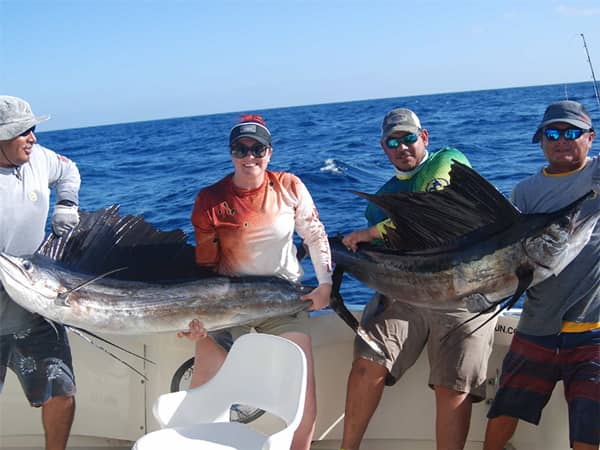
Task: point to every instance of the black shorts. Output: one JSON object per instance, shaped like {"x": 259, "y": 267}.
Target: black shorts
{"x": 40, "y": 356}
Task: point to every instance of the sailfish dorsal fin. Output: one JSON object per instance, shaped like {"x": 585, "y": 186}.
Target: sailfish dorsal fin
{"x": 104, "y": 240}
{"x": 425, "y": 220}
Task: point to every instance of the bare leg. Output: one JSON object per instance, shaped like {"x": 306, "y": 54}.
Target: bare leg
{"x": 209, "y": 357}
{"x": 304, "y": 434}
{"x": 57, "y": 418}
{"x": 365, "y": 387}
{"x": 453, "y": 417}
{"x": 499, "y": 430}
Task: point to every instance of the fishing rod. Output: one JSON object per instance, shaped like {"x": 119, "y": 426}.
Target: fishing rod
{"x": 592, "y": 69}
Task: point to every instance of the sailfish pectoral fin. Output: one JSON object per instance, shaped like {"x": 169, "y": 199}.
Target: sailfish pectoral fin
{"x": 336, "y": 302}
{"x": 525, "y": 277}
{"x": 62, "y": 299}
{"x": 475, "y": 316}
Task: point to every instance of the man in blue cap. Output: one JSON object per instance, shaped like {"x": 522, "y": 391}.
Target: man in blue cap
{"x": 558, "y": 336}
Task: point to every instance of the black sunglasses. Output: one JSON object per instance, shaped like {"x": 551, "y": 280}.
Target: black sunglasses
{"x": 26, "y": 132}
{"x": 241, "y": 151}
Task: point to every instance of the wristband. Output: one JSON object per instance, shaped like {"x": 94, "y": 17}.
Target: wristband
{"x": 67, "y": 203}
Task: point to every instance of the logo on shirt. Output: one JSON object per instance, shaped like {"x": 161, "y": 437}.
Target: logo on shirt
{"x": 225, "y": 209}
{"x": 32, "y": 195}
{"x": 437, "y": 184}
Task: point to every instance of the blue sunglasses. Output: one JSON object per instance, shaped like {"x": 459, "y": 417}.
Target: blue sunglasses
{"x": 570, "y": 134}
{"x": 395, "y": 142}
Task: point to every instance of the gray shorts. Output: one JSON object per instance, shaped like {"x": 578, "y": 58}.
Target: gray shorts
{"x": 458, "y": 362}
{"x": 40, "y": 356}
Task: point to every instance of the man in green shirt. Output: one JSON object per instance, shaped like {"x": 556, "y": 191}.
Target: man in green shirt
{"x": 458, "y": 367}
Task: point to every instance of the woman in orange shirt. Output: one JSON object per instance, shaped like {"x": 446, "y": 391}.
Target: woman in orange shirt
{"x": 244, "y": 225}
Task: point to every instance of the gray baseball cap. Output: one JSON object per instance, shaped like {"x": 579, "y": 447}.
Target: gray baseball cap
{"x": 567, "y": 111}
{"x": 400, "y": 119}
{"x": 16, "y": 117}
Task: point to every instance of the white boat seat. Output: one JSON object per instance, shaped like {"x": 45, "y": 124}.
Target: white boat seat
{"x": 214, "y": 436}
{"x": 263, "y": 371}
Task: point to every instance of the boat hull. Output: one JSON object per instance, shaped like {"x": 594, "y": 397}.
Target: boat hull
{"x": 114, "y": 404}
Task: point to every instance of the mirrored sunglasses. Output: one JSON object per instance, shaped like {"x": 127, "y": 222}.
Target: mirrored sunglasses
{"x": 570, "y": 134}
{"x": 395, "y": 142}
{"x": 241, "y": 151}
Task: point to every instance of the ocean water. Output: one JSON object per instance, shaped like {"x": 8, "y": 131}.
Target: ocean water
{"x": 155, "y": 168}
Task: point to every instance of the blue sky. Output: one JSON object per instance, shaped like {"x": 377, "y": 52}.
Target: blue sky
{"x": 93, "y": 62}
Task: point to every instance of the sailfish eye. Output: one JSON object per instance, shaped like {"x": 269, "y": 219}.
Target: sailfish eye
{"x": 27, "y": 266}
{"x": 564, "y": 222}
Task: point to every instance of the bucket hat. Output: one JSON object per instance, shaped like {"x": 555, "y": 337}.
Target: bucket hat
{"x": 16, "y": 117}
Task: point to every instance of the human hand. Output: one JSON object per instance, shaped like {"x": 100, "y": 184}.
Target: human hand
{"x": 64, "y": 219}
{"x": 352, "y": 240}
{"x": 196, "y": 331}
{"x": 319, "y": 296}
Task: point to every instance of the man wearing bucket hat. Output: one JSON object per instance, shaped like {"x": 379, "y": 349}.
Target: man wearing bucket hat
{"x": 558, "y": 335}
{"x": 459, "y": 366}
{"x": 36, "y": 350}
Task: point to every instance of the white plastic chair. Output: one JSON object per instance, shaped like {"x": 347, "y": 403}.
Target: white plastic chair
{"x": 261, "y": 370}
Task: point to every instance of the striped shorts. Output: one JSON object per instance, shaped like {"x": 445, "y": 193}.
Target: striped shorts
{"x": 533, "y": 366}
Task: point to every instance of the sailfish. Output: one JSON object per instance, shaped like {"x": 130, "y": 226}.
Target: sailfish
{"x": 465, "y": 246}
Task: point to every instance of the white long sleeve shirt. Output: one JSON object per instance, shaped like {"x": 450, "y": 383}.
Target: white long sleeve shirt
{"x": 24, "y": 207}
